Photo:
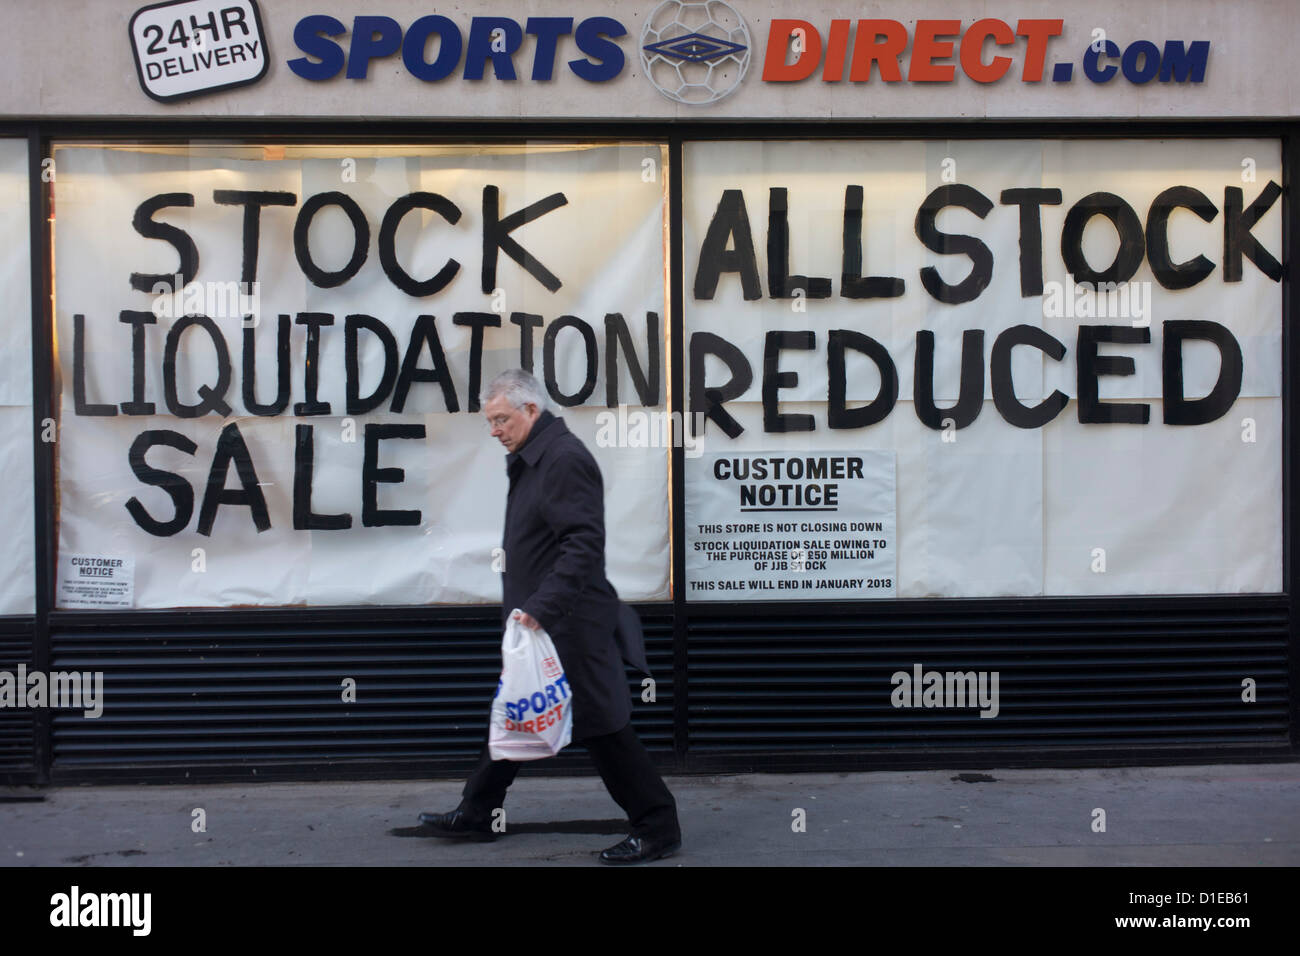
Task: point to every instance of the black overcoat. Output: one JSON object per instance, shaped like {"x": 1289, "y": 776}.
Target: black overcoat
{"x": 554, "y": 546}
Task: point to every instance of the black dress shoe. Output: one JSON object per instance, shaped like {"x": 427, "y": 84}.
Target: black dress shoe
{"x": 640, "y": 850}
{"x": 459, "y": 825}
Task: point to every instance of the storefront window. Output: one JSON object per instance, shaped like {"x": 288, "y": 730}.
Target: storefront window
{"x": 980, "y": 368}
{"x": 17, "y": 563}
{"x": 272, "y": 358}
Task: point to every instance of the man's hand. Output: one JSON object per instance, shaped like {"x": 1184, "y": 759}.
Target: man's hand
{"x": 527, "y": 620}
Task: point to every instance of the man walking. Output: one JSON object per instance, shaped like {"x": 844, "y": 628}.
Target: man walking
{"x": 555, "y": 575}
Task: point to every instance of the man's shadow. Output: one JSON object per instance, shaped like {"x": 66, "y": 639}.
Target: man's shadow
{"x": 558, "y": 826}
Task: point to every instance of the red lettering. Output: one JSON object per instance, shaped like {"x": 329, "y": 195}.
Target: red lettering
{"x": 837, "y": 46}
{"x": 1037, "y": 33}
{"x": 775, "y": 69}
{"x": 926, "y": 46}
{"x": 528, "y": 727}
{"x": 972, "y": 50}
{"x": 887, "y": 43}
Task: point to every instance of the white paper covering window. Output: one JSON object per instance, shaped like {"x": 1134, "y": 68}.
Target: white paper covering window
{"x": 989, "y": 508}
{"x": 603, "y": 245}
{"x": 17, "y": 563}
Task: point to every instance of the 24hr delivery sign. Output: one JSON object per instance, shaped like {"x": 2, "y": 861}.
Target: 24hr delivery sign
{"x": 183, "y": 48}
{"x": 272, "y": 361}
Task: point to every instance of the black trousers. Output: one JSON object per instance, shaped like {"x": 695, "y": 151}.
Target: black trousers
{"x": 623, "y": 764}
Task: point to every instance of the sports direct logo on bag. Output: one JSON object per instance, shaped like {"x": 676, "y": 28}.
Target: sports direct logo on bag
{"x": 532, "y": 714}
{"x": 547, "y": 704}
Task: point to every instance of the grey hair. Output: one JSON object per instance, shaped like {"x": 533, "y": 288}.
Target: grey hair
{"x": 519, "y": 388}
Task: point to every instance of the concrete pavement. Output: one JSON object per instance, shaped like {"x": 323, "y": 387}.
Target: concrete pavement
{"x": 1223, "y": 815}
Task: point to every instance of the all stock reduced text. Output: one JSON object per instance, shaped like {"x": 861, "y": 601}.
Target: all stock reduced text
{"x": 728, "y": 251}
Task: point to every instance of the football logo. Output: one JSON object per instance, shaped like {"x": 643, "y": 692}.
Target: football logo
{"x": 695, "y": 52}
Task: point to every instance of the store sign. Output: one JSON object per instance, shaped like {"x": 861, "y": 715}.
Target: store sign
{"x": 96, "y": 580}
{"x": 274, "y": 367}
{"x": 1095, "y": 290}
{"x": 698, "y": 53}
{"x": 1068, "y": 351}
{"x": 791, "y": 526}
{"x": 873, "y": 49}
{"x": 1071, "y": 348}
{"x": 187, "y": 47}
{"x": 489, "y": 43}
{"x": 695, "y": 53}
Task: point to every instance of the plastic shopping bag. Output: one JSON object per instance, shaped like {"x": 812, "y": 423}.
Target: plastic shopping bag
{"x": 531, "y": 713}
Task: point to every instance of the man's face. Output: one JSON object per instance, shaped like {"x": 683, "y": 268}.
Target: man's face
{"x": 510, "y": 425}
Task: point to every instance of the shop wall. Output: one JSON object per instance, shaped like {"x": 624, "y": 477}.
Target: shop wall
{"x": 85, "y": 67}
{"x": 1176, "y": 642}
{"x": 1131, "y": 673}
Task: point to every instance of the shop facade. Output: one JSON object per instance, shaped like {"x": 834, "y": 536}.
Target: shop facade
{"x": 938, "y": 368}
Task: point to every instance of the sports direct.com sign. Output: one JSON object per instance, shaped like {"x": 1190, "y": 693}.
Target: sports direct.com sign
{"x": 984, "y": 51}
{"x": 699, "y": 53}
{"x": 695, "y": 53}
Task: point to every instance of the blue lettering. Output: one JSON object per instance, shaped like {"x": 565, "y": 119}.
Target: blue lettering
{"x": 307, "y": 35}
{"x": 1182, "y": 64}
{"x": 372, "y": 37}
{"x": 417, "y": 39}
{"x": 1149, "y": 55}
{"x": 494, "y": 39}
{"x": 562, "y": 683}
{"x": 479, "y": 49}
{"x": 539, "y": 702}
{"x": 1091, "y": 60}
{"x": 595, "y": 37}
{"x": 548, "y": 31}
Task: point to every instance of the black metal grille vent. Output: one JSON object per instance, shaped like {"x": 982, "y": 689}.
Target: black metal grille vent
{"x": 269, "y": 691}
{"x": 17, "y": 727}
{"x": 1113, "y": 675}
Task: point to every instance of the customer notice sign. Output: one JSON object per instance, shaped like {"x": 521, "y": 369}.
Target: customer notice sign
{"x": 186, "y": 47}
{"x": 792, "y": 525}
